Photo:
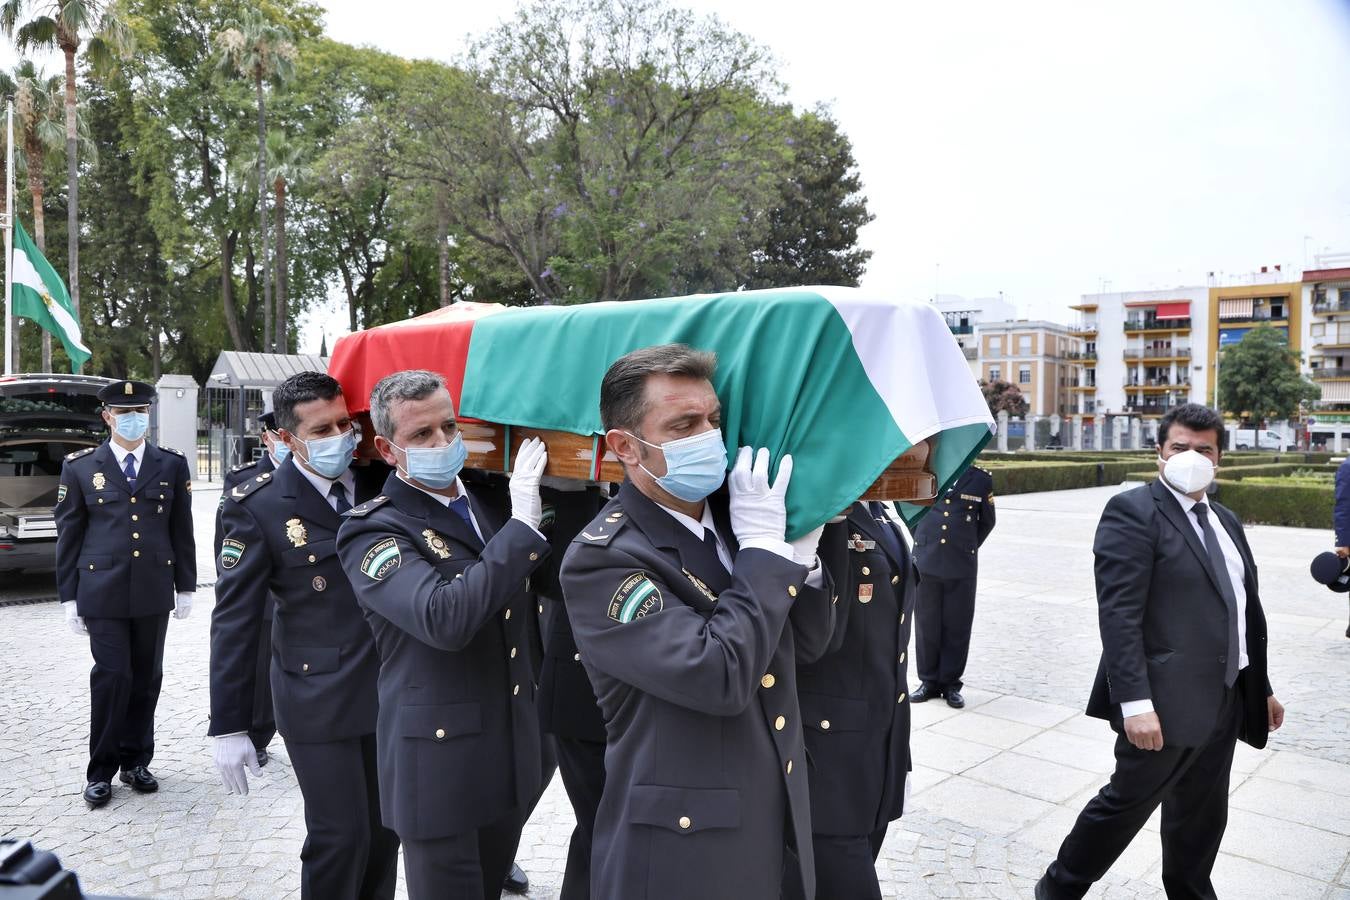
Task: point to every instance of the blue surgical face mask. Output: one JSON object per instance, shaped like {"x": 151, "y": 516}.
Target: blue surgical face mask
{"x": 131, "y": 426}
{"x": 435, "y": 467}
{"x": 331, "y": 456}
{"x": 280, "y": 450}
{"x": 695, "y": 466}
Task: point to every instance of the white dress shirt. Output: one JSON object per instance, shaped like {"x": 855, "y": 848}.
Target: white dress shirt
{"x": 446, "y": 501}
{"x": 325, "y": 485}
{"x": 1236, "y": 574}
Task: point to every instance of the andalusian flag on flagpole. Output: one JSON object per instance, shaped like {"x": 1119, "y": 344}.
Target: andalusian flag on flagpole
{"x": 40, "y": 295}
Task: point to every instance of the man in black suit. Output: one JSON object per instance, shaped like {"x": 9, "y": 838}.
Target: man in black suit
{"x": 125, "y": 559}
{"x": 444, "y": 585}
{"x": 1183, "y": 669}
{"x": 280, "y": 532}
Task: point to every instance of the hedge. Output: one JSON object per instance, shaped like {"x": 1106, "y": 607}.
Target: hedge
{"x": 1020, "y": 477}
{"x": 1271, "y": 504}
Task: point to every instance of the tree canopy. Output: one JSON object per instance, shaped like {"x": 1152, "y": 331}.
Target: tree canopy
{"x": 1259, "y": 378}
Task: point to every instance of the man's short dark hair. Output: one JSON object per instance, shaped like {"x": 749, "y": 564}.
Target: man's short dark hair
{"x": 1196, "y": 417}
{"x": 411, "y": 384}
{"x": 623, "y": 392}
{"x": 302, "y": 387}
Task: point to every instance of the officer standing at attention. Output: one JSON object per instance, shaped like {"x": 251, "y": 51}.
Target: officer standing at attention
{"x": 125, "y": 559}
{"x": 264, "y": 726}
{"x": 854, "y": 705}
{"x": 946, "y": 549}
{"x": 280, "y": 538}
{"x": 680, "y": 601}
{"x": 445, "y": 589}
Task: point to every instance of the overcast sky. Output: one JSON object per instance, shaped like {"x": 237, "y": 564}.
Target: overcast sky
{"x": 1041, "y": 149}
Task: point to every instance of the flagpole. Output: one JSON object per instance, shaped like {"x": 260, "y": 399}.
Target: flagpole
{"x": 9, "y": 237}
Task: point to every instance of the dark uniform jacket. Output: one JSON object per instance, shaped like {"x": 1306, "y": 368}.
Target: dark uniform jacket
{"x": 123, "y": 554}
{"x": 281, "y": 536}
{"x": 695, "y": 671}
{"x": 855, "y": 699}
{"x": 233, "y": 478}
{"x": 1164, "y": 624}
{"x": 458, "y": 733}
{"x": 948, "y": 537}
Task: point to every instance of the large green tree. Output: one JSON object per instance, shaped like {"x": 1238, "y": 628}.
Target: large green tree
{"x": 1259, "y": 378}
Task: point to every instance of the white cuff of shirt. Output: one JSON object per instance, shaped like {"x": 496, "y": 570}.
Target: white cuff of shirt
{"x": 815, "y": 576}
{"x": 1135, "y": 708}
{"x": 781, "y": 548}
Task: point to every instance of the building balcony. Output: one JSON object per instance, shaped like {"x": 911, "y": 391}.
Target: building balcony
{"x": 1257, "y": 316}
{"x": 1081, "y": 356}
{"x": 1156, "y": 384}
{"x": 1083, "y": 307}
{"x": 1329, "y": 374}
{"x": 1143, "y": 326}
{"x": 1332, "y": 342}
{"x": 1329, "y": 307}
{"x": 971, "y": 352}
{"x": 1083, "y": 330}
{"x": 961, "y": 329}
{"x": 1083, "y": 386}
{"x": 1160, "y": 354}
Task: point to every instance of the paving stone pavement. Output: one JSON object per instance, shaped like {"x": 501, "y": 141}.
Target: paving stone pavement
{"x": 996, "y": 786}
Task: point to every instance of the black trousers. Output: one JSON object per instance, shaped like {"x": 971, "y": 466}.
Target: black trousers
{"x": 264, "y": 726}
{"x": 463, "y": 866}
{"x": 846, "y": 867}
{"x": 348, "y": 854}
{"x": 582, "y": 766}
{"x": 943, "y": 614}
{"x": 1191, "y": 783}
{"x": 124, "y": 690}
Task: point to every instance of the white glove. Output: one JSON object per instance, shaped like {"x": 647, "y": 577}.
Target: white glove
{"x": 74, "y": 621}
{"x": 525, "y": 503}
{"x": 804, "y": 548}
{"x": 182, "y": 607}
{"x": 759, "y": 510}
{"x": 234, "y": 752}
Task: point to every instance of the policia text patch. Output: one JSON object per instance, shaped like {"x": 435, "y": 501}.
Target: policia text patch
{"x": 635, "y": 598}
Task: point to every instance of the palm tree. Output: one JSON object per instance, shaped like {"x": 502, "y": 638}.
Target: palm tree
{"x": 65, "y": 25}
{"x": 37, "y": 113}
{"x": 286, "y": 163}
{"x": 255, "y": 49}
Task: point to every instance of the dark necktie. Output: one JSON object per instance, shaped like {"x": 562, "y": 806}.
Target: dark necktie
{"x": 889, "y": 539}
{"x": 460, "y": 507}
{"x": 710, "y": 541}
{"x": 339, "y": 495}
{"x": 129, "y": 470}
{"x": 1220, "y": 565}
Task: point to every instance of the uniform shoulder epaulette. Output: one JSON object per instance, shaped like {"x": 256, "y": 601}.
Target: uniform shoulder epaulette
{"x": 603, "y": 527}
{"x": 242, "y": 466}
{"x": 365, "y": 509}
{"x": 78, "y": 453}
{"x": 245, "y": 488}
{"x": 174, "y": 452}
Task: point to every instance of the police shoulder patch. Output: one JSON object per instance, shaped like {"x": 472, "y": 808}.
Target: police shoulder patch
{"x": 636, "y": 597}
{"x": 78, "y": 453}
{"x": 367, "y": 508}
{"x": 245, "y": 489}
{"x": 231, "y": 551}
{"x": 381, "y": 559}
{"x": 60, "y": 493}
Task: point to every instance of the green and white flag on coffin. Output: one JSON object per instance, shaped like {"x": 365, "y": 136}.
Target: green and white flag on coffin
{"x": 40, "y": 295}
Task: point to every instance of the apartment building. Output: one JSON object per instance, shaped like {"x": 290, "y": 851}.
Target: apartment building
{"x": 1325, "y": 304}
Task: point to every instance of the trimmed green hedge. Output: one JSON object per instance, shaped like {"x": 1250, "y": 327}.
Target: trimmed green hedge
{"x": 1025, "y": 477}
{"x": 1271, "y": 504}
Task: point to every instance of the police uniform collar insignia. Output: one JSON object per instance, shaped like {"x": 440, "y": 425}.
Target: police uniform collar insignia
{"x": 381, "y": 559}
{"x": 99, "y": 480}
{"x": 436, "y": 543}
{"x": 231, "y": 551}
{"x": 636, "y": 597}
{"x": 699, "y": 583}
{"x": 858, "y": 544}
{"x": 296, "y": 533}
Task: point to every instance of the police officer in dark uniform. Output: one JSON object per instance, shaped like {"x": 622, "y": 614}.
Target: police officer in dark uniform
{"x": 280, "y": 531}
{"x": 264, "y": 726}
{"x": 691, "y": 614}
{"x": 946, "y": 549}
{"x": 125, "y": 559}
{"x": 445, "y": 589}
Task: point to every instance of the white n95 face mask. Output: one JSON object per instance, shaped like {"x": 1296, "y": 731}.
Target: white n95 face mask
{"x": 1188, "y": 471}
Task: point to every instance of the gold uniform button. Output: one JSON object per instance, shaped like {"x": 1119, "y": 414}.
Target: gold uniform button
{"x": 515, "y": 690}
{"x": 304, "y": 667}
{"x": 533, "y": 557}
{"x": 902, "y": 657}
{"x": 789, "y": 767}
{"x": 541, "y": 609}
{"x": 902, "y": 618}
{"x": 313, "y": 558}
{"x": 513, "y": 652}
{"x": 576, "y": 657}
{"x": 946, "y": 513}
{"x": 440, "y": 734}
{"x": 866, "y": 570}
{"x": 767, "y": 681}
{"x": 685, "y": 823}
{"x": 133, "y": 500}
{"x": 824, "y": 724}
{"x": 100, "y": 499}
{"x": 779, "y": 723}
{"x": 508, "y": 614}
{"x": 944, "y": 527}
{"x": 895, "y": 579}
{"x": 901, "y": 698}
{"x": 168, "y": 562}
{"x": 947, "y": 501}
{"x": 792, "y": 590}
{"x": 91, "y": 567}
{"x": 135, "y": 553}
{"x": 135, "y": 535}
{"x": 135, "y": 518}
{"x": 942, "y": 540}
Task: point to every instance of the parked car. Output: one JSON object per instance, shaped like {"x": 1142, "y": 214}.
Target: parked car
{"x": 42, "y": 418}
{"x": 1259, "y": 439}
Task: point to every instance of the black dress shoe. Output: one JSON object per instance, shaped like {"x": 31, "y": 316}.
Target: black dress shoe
{"x": 97, "y": 793}
{"x": 517, "y": 882}
{"x": 955, "y": 700}
{"x": 263, "y": 758}
{"x": 924, "y": 693}
{"x": 140, "y": 779}
{"x": 1043, "y": 889}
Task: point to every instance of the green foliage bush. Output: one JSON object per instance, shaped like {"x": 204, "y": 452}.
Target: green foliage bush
{"x": 1283, "y": 503}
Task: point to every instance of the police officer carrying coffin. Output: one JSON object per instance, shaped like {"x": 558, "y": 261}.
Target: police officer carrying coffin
{"x": 445, "y": 589}
{"x": 125, "y": 559}
{"x": 946, "y": 549}
{"x": 680, "y": 603}
{"x": 854, "y": 704}
{"x": 264, "y": 726}
{"x": 280, "y": 533}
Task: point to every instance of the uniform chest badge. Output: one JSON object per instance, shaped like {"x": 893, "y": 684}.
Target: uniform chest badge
{"x": 436, "y": 543}
{"x": 865, "y": 593}
{"x": 320, "y": 583}
{"x": 296, "y": 533}
{"x": 699, "y": 584}
{"x": 636, "y": 597}
{"x": 856, "y": 543}
{"x": 99, "y": 481}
